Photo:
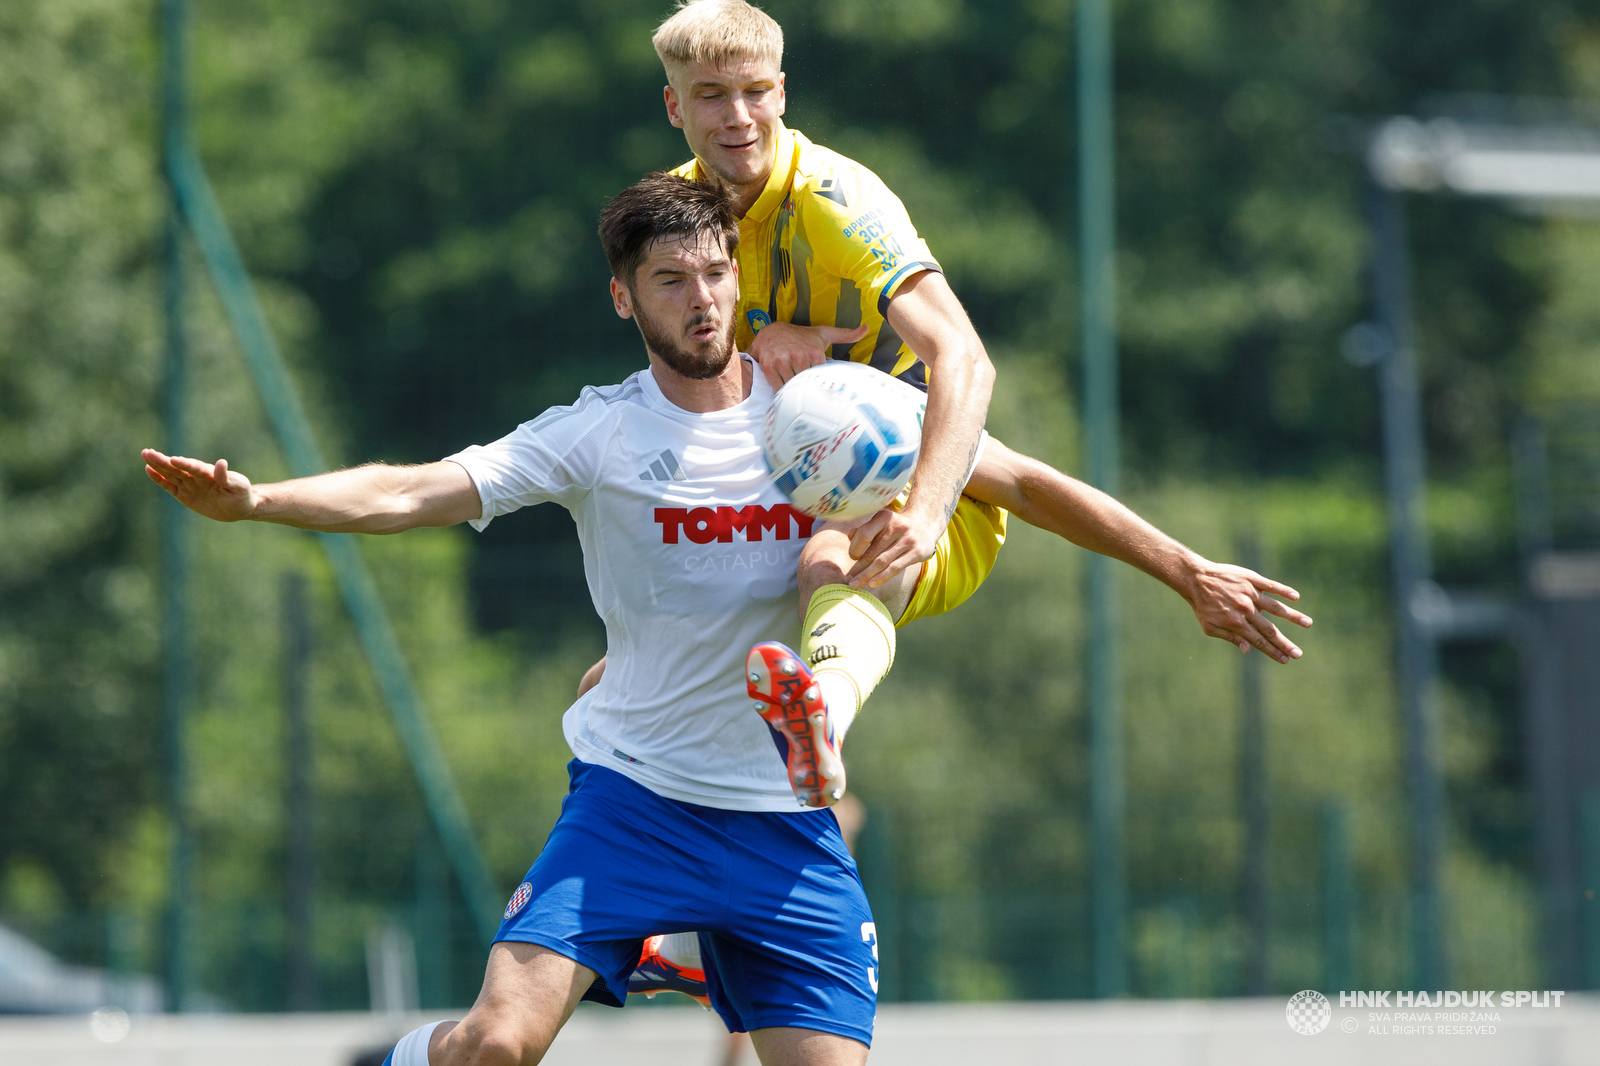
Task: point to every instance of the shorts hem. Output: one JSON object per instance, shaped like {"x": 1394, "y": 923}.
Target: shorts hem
{"x": 811, "y": 1021}
{"x": 568, "y": 950}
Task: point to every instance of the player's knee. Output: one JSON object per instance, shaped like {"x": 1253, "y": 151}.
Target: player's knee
{"x": 824, "y": 561}
{"x": 821, "y": 567}
{"x": 492, "y": 1042}
{"x": 504, "y": 1046}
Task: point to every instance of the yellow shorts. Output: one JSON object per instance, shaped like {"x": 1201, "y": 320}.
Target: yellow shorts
{"x": 961, "y": 562}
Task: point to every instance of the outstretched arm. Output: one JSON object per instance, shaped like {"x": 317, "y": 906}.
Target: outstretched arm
{"x": 1230, "y": 602}
{"x": 364, "y": 499}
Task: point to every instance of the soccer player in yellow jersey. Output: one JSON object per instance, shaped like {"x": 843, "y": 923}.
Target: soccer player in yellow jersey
{"x": 831, "y": 266}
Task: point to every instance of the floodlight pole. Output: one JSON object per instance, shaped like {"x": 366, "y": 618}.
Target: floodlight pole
{"x": 1551, "y": 167}
{"x": 1097, "y": 294}
{"x": 177, "y": 668}
{"x": 1411, "y": 567}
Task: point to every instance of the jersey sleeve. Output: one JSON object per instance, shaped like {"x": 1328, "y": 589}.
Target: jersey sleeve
{"x": 553, "y": 459}
{"x": 860, "y": 230}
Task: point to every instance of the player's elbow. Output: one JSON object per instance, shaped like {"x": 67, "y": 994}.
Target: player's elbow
{"x": 966, "y": 359}
{"x": 965, "y": 367}
{"x": 1003, "y": 478}
{"x": 983, "y": 374}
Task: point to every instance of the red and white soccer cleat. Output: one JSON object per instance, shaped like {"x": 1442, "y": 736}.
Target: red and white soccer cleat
{"x": 790, "y": 700}
{"x": 655, "y": 973}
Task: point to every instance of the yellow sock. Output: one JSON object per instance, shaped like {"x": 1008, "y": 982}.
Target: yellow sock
{"x": 848, "y": 641}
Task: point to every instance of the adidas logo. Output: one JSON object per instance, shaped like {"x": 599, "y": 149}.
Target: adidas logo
{"x": 664, "y": 468}
{"x": 823, "y": 628}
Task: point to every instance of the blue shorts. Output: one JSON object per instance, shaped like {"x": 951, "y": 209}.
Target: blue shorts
{"x": 786, "y": 936}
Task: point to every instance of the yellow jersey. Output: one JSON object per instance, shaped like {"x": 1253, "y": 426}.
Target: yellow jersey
{"x": 827, "y": 244}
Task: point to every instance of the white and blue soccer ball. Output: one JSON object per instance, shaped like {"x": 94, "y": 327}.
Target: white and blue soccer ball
{"x": 841, "y": 439}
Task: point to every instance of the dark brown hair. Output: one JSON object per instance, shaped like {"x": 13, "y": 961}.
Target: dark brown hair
{"x": 663, "y": 205}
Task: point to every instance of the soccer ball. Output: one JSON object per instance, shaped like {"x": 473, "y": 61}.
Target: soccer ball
{"x": 841, "y": 439}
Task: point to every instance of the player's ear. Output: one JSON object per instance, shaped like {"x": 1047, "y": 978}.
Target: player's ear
{"x": 621, "y": 299}
{"x": 783, "y": 97}
{"x": 674, "y": 115}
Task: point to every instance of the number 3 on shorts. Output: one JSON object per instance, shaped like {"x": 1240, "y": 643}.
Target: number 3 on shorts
{"x": 869, "y": 934}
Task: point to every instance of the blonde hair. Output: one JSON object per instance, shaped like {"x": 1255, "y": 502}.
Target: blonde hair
{"x": 715, "y": 31}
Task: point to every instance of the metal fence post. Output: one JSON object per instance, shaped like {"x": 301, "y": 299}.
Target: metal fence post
{"x": 1253, "y": 800}
{"x": 177, "y": 661}
{"x": 299, "y": 827}
{"x": 1338, "y": 899}
{"x": 1589, "y": 885}
{"x": 1097, "y": 287}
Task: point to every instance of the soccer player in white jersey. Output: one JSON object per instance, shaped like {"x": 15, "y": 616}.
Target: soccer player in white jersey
{"x": 680, "y": 816}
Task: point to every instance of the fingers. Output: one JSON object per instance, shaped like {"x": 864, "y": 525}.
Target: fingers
{"x": 779, "y": 368}
{"x": 1277, "y": 588}
{"x": 1249, "y": 628}
{"x": 173, "y": 472}
{"x": 1233, "y": 606}
{"x": 155, "y": 475}
{"x": 870, "y": 566}
{"x": 1273, "y": 642}
{"x": 884, "y": 567}
{"x": 836, "y": 335}
{"x": 181, "y": 466}
{"x": 792, "y": 366}
{"x": 154, "y": 460}
{"x": 881, "y": 550}
{"x": 770, "y": 371}
{"x": 1283, "y": 610}
{"x": 784, "y": 349}
{"x": 1254, "y": 631}
{"x": 862, "y": 536}
{"x": 1245, "y": 636}
{"x": 1264, "y": 602}
{"x": 791, "y": 361}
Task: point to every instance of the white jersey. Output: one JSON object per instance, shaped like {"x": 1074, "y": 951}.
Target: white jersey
{"x": 690, "y": 554}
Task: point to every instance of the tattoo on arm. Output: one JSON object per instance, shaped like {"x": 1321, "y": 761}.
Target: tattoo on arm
{"x": 955, "y": 500}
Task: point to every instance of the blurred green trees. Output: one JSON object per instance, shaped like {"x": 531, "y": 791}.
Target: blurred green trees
{"x": 77, "y": 318}
{"x": 415, "y": 186}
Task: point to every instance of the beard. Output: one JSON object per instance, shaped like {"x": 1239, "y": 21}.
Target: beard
{"x": 698, "y": 362}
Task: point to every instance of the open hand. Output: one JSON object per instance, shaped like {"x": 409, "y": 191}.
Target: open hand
{"x": 1232, "y": 603}
{"x": 783, "y": 349}
{"x": 888, "y": 543}
{"x": 211, "y": 490}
